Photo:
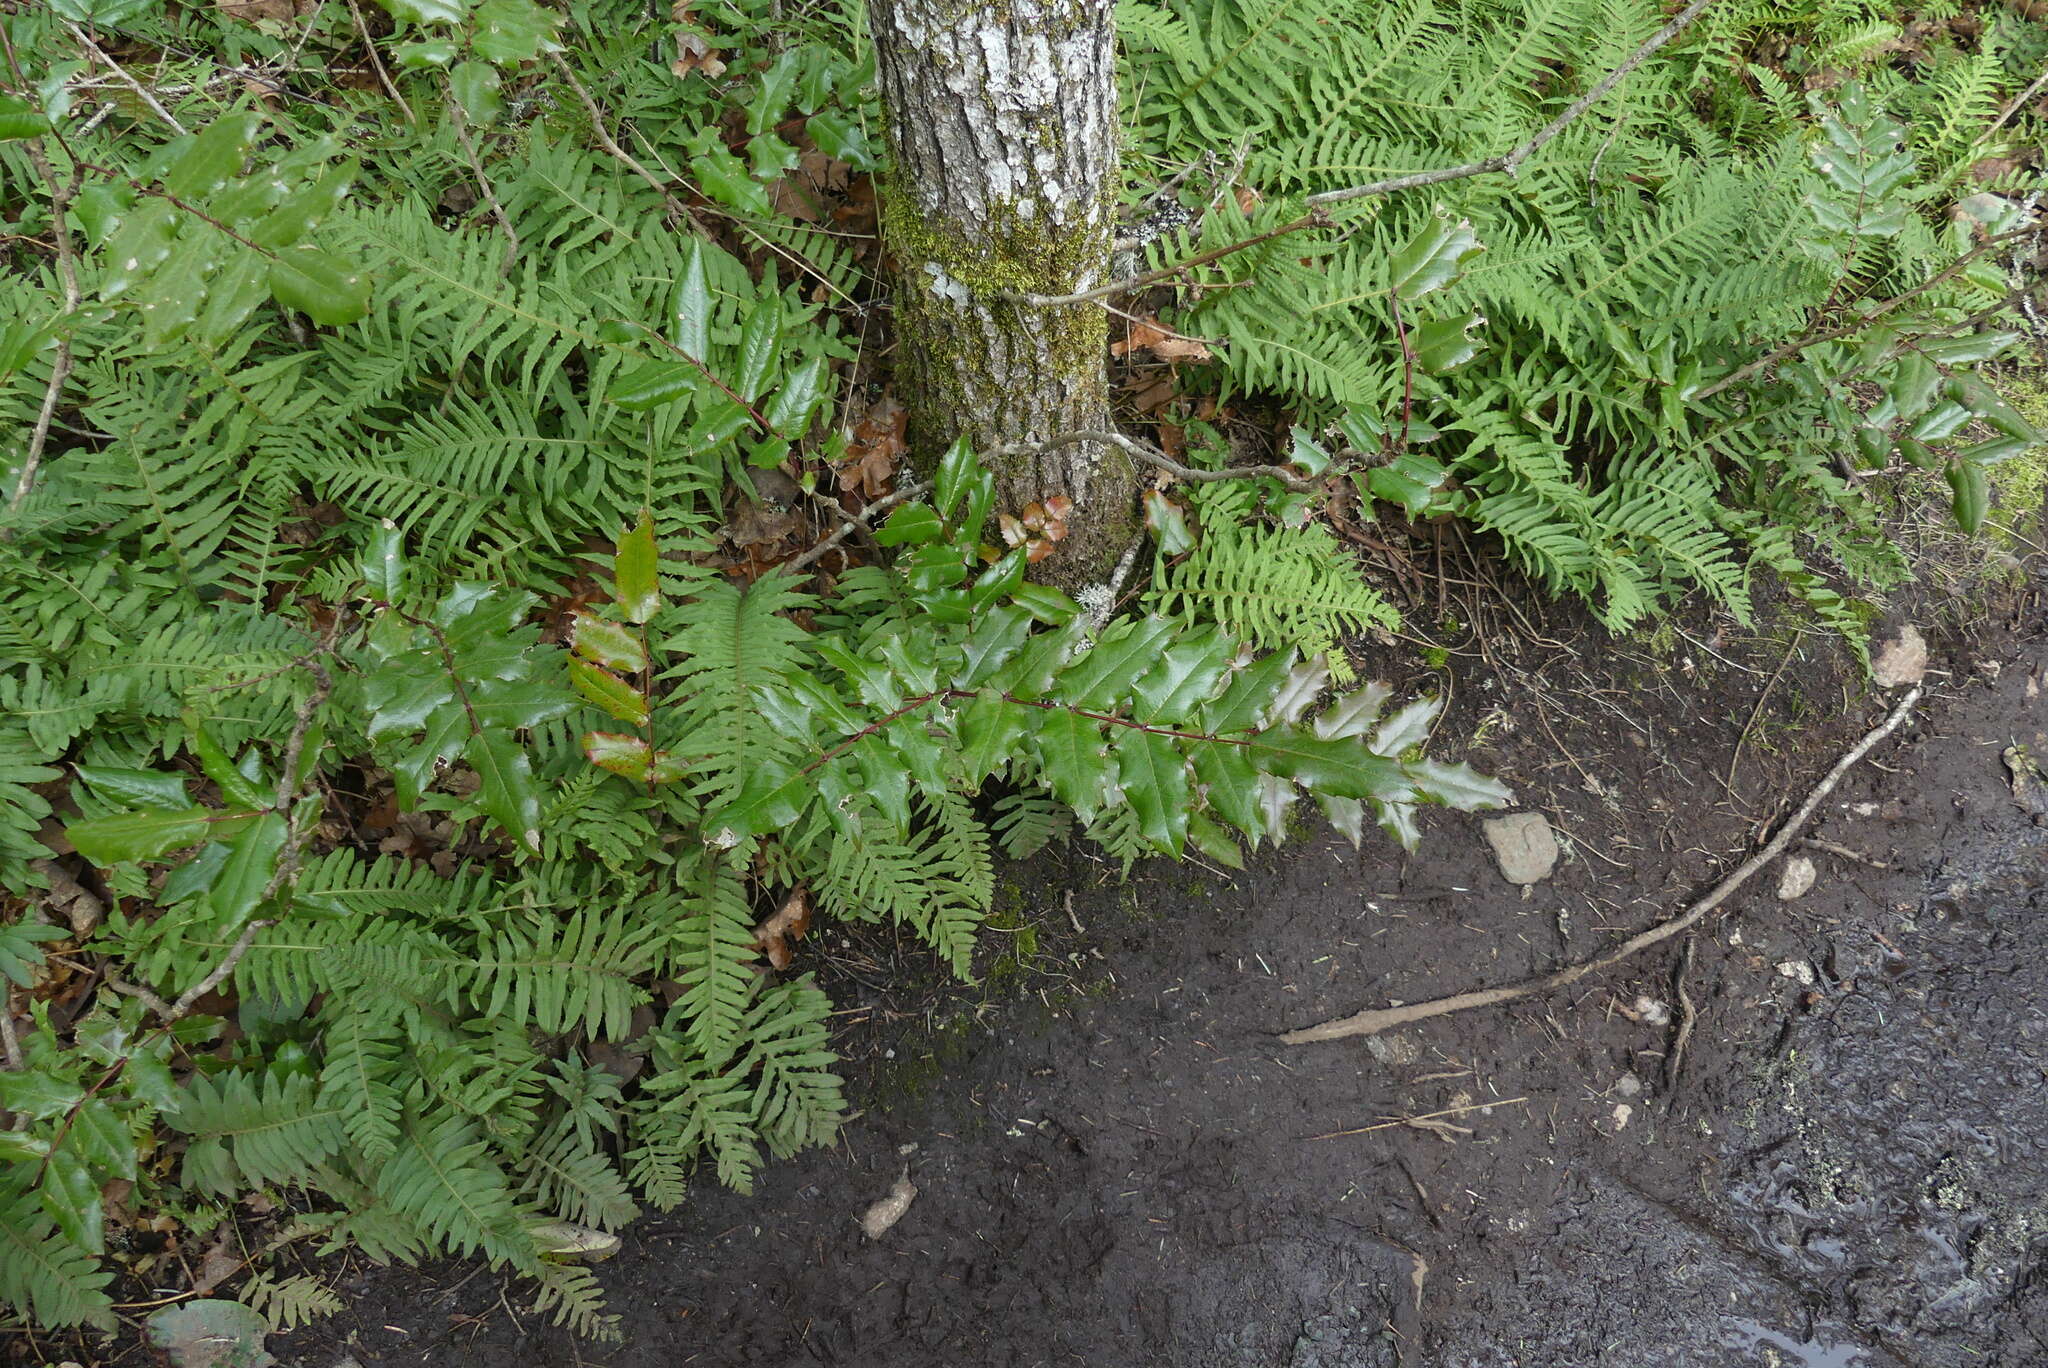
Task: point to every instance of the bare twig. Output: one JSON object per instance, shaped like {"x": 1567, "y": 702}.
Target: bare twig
{"x": 121, "y": 75}
{"x": 1509, "y": 161}
{"x": 61, "y": 194}
{"x": 610, "y": 144}
{"x": 1372, "y": 1022}
{"x": 460, "y": 123}
{"x": 1316, "y": 217}
{"x": 1864, "y": 320}
{"x": 1419, "y": 1120}
{"x": 1688, "y": 1016}
{"x": 1816, "y": 843}
{"x": 1153, "y": 456}
{"x": 853, "y": 523}
{"x": 2018, "y": 102}
{"x": 10, "y": 1047}
{"x": 285, "y": 802}
{"x": 376, "y": 62}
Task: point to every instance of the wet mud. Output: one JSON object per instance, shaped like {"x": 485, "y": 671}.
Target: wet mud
{"x": 1117, "y": 1164}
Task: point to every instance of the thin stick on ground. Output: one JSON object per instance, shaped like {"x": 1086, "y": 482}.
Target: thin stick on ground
{"x": 1413, "y": 1120}
{"x": 1373, "y": 1021}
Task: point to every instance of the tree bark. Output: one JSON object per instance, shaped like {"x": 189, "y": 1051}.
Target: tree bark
{"x": 1002, "y": 181}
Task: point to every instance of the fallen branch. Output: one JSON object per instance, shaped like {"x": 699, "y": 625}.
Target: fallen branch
{"x": 1423, "y": 1122}
{"x": 854, "y": 522}
{"x": 1373, "y": 1021}
{"x": 1153, "y": 456}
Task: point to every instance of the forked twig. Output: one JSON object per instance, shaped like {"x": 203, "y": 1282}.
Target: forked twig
{"x": 1373, "y": 1021}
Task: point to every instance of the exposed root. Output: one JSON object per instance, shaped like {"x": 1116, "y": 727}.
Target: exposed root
{"x": 1373, "y": 1021}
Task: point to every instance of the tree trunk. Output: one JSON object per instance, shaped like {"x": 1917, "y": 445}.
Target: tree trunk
{"x": 1002, "y": 134}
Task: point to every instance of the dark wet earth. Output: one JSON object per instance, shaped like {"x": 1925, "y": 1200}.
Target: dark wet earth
{"x": 1118, "y": 1165}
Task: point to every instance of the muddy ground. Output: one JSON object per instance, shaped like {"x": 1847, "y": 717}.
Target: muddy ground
{"x": 1117, "y": 1164}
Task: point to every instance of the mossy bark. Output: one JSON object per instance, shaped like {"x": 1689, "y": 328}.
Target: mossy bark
{"x": 1002, "y": 134}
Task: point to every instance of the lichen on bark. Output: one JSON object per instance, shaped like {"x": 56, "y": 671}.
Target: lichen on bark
{"x": 1002, "y": 134}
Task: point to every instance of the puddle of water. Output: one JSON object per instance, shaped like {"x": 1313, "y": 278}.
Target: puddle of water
{"x": 1747, "y": 1334}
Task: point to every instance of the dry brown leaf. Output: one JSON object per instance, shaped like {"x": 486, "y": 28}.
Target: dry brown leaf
{"x": 1149, "y": 334}
{"x": 788, "y": 923}
{"x": 878, "y": 441}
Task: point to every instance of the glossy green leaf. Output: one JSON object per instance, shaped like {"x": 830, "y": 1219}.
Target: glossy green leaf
{"x": 912, "y": 524}
{"x": 508, "y": 792}
{"x": 990, "y": 731}
{"x": 1106, "y": 672}
{"x": 320, "y": 285}
{"x": 690, "y": 312}
{"x": 1075, "y": 760}
{"x": 1305, "y": 453}
{"x": 1345, "y": 768}
{"x": 1433, "y": 258}
{"x": 1970, "y": 494}
{"x": 103, "y": 1139}
{"x": 760, "y": 348}
{"x": 1969, "y": 349}
{"x": 618, "y": 698}
{"x": 476, "y": 87}
{"x": 1154, "y": 780}
{"x": 20, "y": 119}
{"x": 138, "y": 835}
{"x": 425, "y": 11}
{"x": 139, "y": 244}
{"x": 1187, "y": 673}
{"x": 252, "y": 860}
{"x": 71, "y": 1197}
{"x": 653, "y": 383}
{"x": 237, "y": 789}
{"x": 1230, "y": 783}
{"x": 427, "y": 54}
{"x": 789, "y": 411}
{"x": 1995, "y": 450}
{"x": 636, "y": 571}
{"x": 136, "y": 787}
{"x": 38, "y": 1094}
{"x": 1167, "y": 522}
{"x": 726, "y": 179}
{"x": 1443, "y": 345}
{"x": 1411, "y": 481}
{"x": 1000, "y": 580}
{"x": 508, "y": 31}
{"x": 383, "y": 566}
{"x": 212, "y": 157}
{"x": 629, "y": 757}
{"x": 838, "y": 135}
{"x": 1915, "y": 382}
{"x": 949, "y": 483}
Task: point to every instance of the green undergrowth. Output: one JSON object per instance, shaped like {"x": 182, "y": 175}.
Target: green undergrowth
{"x": 1580, "y": 376}
{"x": 414, "y": 804}
{"x": 411, "y": 813}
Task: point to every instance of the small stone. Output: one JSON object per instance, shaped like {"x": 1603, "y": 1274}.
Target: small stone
{"x": 1653, "y": 1012}
{"x": 1797, "y": 879}
{"x": 1622, "y": 1112}
{"x": 1902, "y": 660}
{"x": 1392, "y": 1050}
{"x": 1628, "y": 1085}
{"x": 1799, "y": 971}
{"x": 1524, "y": 846}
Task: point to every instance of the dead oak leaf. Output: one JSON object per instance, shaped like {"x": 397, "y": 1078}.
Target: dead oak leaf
{"x": 787, "y": 923}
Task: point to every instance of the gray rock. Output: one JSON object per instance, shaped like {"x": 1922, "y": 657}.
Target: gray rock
{"x": 1524, "y": 846}
{"x": 1900, "y": 661}
{"x": 1797, "y": 879}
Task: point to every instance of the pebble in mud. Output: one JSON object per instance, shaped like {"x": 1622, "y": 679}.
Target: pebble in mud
{"x": 1900, "y": 661}
{"x": 1523, "y": 845}
{"x": 1798, "y": 878}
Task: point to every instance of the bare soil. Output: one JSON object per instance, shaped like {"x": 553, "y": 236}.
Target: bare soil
{"x": 1116, "y": 1162}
